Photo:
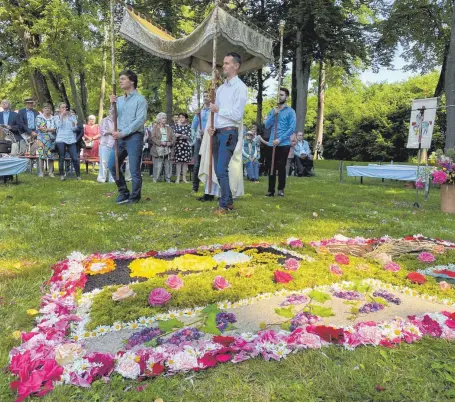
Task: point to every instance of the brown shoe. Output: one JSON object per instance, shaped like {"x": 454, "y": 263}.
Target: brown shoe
{"x": 230, "y": 207}
{"x": 220, "y": 211}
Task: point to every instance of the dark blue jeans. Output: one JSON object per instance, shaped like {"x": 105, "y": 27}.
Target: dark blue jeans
{"x": 72, "y": 149}
{"x": 130, "y": 146}
{"x": 197, "y": 163}
{"x": 223, "y": 148}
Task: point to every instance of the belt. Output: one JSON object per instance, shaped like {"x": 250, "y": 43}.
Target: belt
{"x": 225, "y": 129}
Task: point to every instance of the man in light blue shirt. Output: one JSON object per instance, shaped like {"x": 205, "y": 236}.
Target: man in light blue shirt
{"x": 281, "y": 140}
{"x": 131, "y": 117}
{"x": 197, "y": 131}
{"x": 302, "y": 157}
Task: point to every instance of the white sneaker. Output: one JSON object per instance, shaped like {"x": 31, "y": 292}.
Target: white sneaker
{"x": 62, "y": 178}
{"x": 40, "y": 175}
{"x": 51, "y": 175}
{"x": 99, "y": 180}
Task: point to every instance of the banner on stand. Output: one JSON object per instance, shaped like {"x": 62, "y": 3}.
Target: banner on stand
{"x": 422, "y": 127}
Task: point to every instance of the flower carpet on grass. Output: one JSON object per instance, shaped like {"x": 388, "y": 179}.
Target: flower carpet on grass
{"x": 144, "y": 314}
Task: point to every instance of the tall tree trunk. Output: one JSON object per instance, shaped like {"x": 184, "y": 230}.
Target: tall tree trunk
{"x": 168, "y": 69}
{"x": 441, "y": 84}
{"x": 59, "y": 85}
{"x": 103, "y": 77}
{"x": 42, "y": 90}
{"x": 450, "y": 88}
{"x": 84, "y": 94}
{"x": 294, "y": 83}
{"x": 321, "y": 99}
{"x": 302, "y": 75}
{"x": 77, "y": 101}
{"x": 259, "y": 98}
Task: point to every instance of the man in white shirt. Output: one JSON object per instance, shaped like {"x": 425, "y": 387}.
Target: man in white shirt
{"x": 302, "y": 157}
{"x": 229, "y": 107}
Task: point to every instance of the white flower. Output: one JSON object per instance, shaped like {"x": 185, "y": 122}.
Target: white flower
{"x": 183, "y": 361}
{"x": 128, "y": 367}
{"x": 68, "y": 352}
{"x": 117, "y": 326}
{"x": 78, "y": 256}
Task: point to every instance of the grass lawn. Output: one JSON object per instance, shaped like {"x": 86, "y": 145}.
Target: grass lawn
{"x": 43, "y": 220}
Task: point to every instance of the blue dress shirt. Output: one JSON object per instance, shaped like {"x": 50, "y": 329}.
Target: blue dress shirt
{"x": 286, "y": 125}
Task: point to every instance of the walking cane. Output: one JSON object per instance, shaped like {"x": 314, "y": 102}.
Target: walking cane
{"x": 114, "y": 92}
{"x": 275, "y": 134}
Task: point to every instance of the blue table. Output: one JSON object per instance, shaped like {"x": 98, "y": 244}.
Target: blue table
{"x": 10, "y": 166}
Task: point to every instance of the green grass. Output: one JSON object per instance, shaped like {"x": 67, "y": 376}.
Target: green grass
{"x": 42, "y": 221}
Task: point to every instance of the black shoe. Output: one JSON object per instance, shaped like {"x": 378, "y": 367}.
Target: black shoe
{"x": 206, "y": 197}
{"x": 122, "y": 199}
{"x": 270, "y": 194}
{"x": 280, "y": 193}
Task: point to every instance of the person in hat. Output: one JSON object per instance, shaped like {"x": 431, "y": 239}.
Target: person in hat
{"x": 27, "y": 123}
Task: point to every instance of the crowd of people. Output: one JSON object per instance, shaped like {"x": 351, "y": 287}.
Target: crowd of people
{"x": 52, "y": 136}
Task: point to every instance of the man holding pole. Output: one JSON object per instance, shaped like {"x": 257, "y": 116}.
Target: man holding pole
{"x": 132, "y": 114}
{"x": 281, "y": 121}
{"x": 228, "y": 108}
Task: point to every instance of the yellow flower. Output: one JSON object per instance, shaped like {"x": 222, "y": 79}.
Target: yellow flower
{"x": 148, "y": 268}
{"x": 16, "y": 334}
{"x": 137, "y": 358}
{"x": 193, "y": 263}
{"x": 32, "y": 312}
{"x": 98, "y": 266}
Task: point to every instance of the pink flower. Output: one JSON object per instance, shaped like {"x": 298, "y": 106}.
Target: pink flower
{"x": 336, "y": 270}
{"x": 291, "y": 264}
{"x": 439, "y": 177}
{"x": 282, "y": 277}
{"x": 426, "y": 257}
{"x": 174, "y": 282}
{"x": 341, "y": 258}
{"x": 294, "y": 242}
{"x": 220, "y": 283}
{"x": 392, "y": 266}
{"x": 420, "y": 184}
{"x": 159, "y": 297}
{"x": 444, "y": 286}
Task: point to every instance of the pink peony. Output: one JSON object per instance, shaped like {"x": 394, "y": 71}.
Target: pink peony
{"x": 174, "y": 282}
{"x": 392, "y": 266}
{"x": 439, "y": 177}
{"x": 444, "y": 286}
{"x": 159, "y": 297}
{"x": 336, "y": 270}
{"x": 220, "y": 283}
{"x": 341, "y": 258}
{"x": 294, "y": 242}
{"x": 291, "y": 264}
{"x": 426, "y": 257}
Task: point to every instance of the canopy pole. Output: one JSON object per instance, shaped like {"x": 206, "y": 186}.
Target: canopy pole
{"x": 280, "y": 69}
{"x": 114, "y": 91}
{"x": 213, "y": 94}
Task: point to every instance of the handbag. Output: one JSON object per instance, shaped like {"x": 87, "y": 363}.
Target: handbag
{"x": 88, "y": 144}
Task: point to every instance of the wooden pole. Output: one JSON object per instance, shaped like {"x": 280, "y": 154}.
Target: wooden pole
{"x": 114, "y": 91}
{"x": 280, "y": 68}
{"x": 213, "y": 95}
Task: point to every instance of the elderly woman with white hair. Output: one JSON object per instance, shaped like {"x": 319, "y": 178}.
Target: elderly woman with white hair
{"x": 161, "y": 142}
{"x": 91, "y": 138}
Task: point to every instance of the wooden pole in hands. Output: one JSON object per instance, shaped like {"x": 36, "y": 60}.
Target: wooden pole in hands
{"x": 114, "y": 91}
{"x": 280, "y": 69}
{"x": 213, "y": 95}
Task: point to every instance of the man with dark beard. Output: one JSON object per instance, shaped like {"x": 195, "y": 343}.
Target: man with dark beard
{"x": 286, "y": 118}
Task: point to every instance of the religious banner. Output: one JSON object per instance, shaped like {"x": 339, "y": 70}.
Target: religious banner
{"x": 421, "y": 127}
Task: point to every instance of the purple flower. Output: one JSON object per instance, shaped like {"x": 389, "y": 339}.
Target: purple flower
{"x": 349, "y": 295}
{"x": 371, "y": 307}
{"x": 223, "y": 319}
{"x": 184, "y": 335}
{"x": 295, "y": 299}
{"x": 387, "y": 296}
{"x": 142, "y": 337}
{"x": 303, "y": 319}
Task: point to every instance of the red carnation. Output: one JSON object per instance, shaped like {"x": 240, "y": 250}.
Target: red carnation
{"x": 224, "y": 340}
{"x": 282, "y": 277}
{"x": 416, "y": 278}
{"x": 327, "y": 333}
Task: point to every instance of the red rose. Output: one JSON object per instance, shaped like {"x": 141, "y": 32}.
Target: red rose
{"x": 416, "y": 278}
{"x": 282, "y": 277}
{"x": 224, "y": 340}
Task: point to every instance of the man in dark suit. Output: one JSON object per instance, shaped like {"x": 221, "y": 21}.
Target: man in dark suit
{"x": 27, "y": 125}
{"x": 8, "y": 119}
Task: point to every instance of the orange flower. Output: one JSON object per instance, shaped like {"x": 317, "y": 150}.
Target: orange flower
{"x": 98, "y": 266}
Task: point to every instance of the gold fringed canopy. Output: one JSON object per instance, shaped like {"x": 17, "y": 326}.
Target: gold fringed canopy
{"x": 195, "y": 50}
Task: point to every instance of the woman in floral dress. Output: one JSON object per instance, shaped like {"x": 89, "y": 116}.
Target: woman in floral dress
{"x": 182, "y": 148}
{"x": 46, "y": 128}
